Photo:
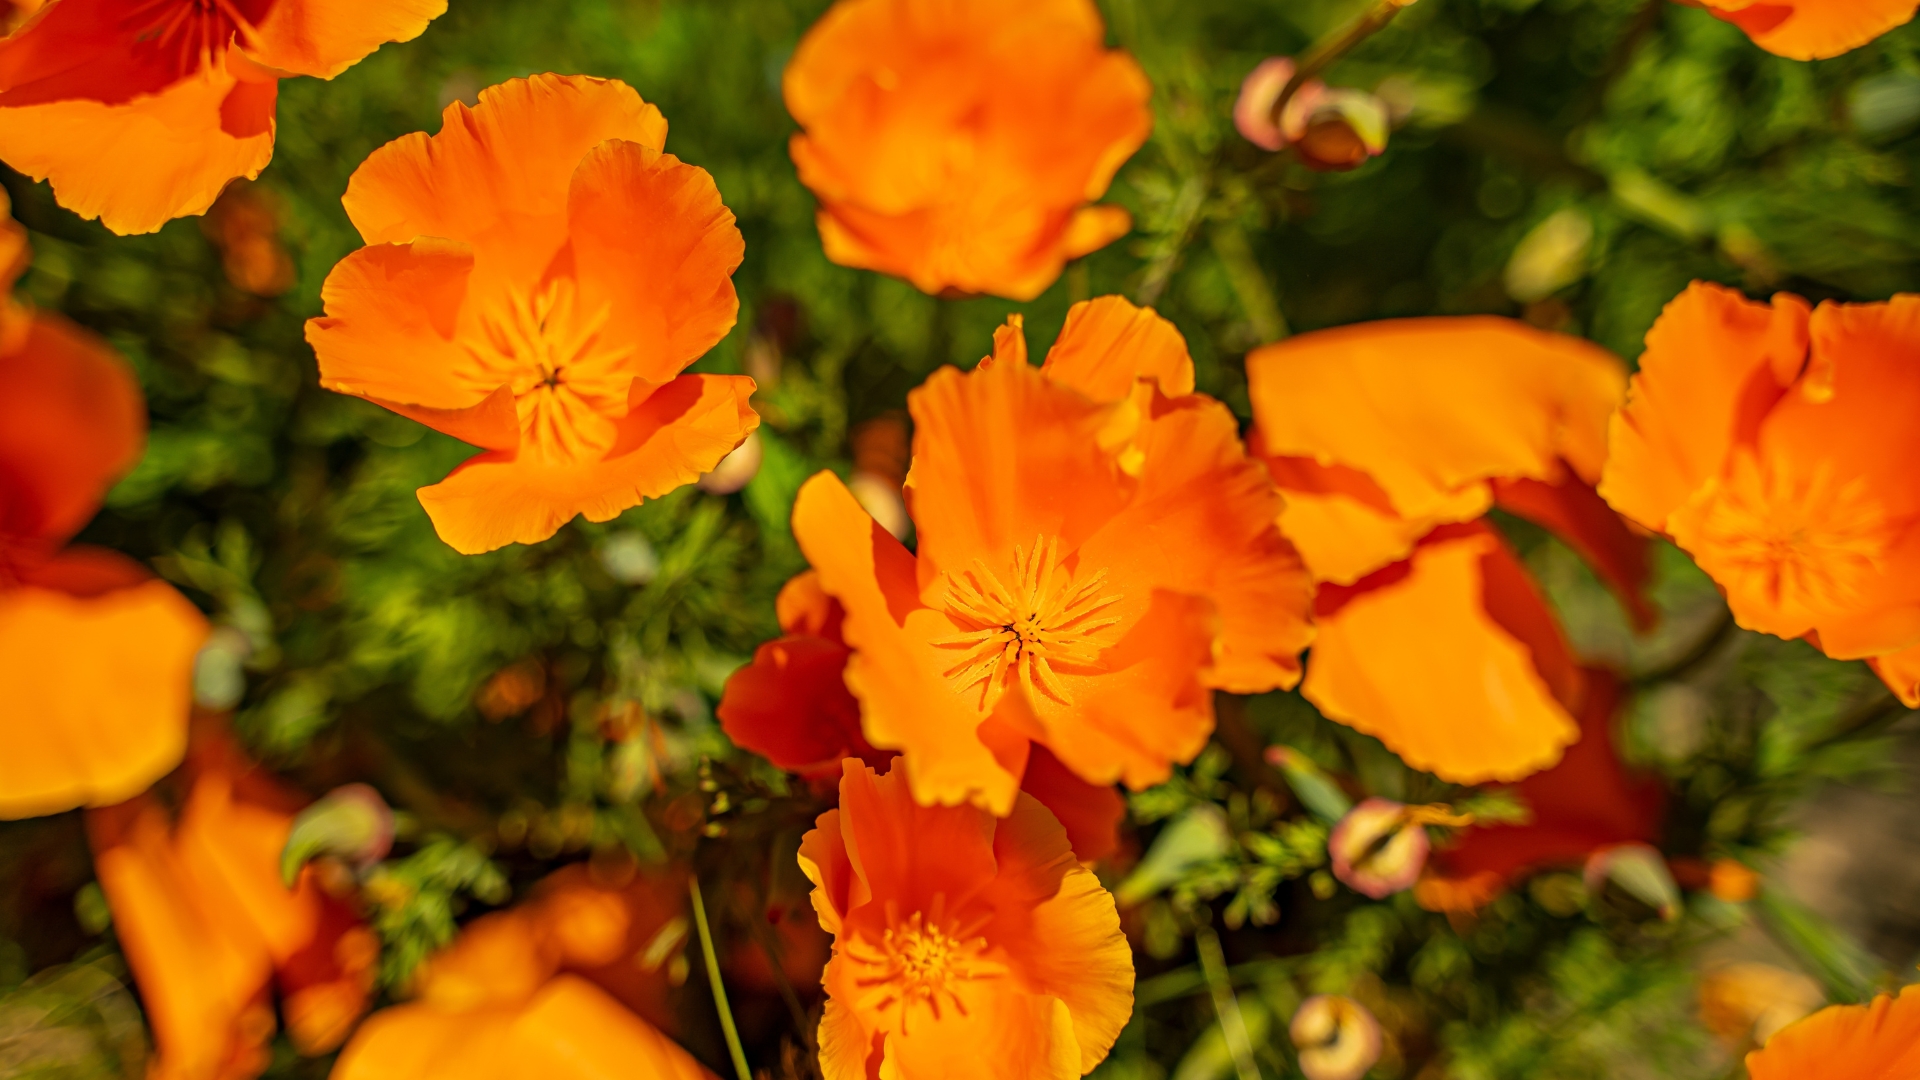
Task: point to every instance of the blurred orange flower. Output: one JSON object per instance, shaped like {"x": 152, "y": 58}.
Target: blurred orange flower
{"x": 963, "y": 945}
{"x": 959, "y": 145}
{"x": 207, "y": 926}
{"x": 1776, "y": 446}
{"x": 536, "y": 277}
{"x": 1812, "y": 29}
{"x": 792, "y": 707}
{"x": 1876, "y": 1041}
{"x": 1096, "y": 554}
{"x": 503, "y": 1003}
{"x": 140, "y": 111}
{"x": 1389, "y": 441}
{"x": 96, "y": 655}
{"x": 1586, "y": 803}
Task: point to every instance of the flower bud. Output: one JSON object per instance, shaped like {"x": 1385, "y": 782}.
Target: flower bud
{"x": 1641, "y": 871}
{"x": 1198, "y": 836}
{"x": 1336, "y": 130}
{"x": 1317, "y": 791}
{"x": 1552, "y": 256}
{"x": 352, "y": 822}
{"x": 1378, "y": 849}
{"x": 1337, "y": 1037}
{"x": 1253, "y": 110}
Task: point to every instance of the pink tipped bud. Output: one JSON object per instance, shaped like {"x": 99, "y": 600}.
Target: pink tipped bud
{"x": 1338, "y": 129}
{"x": 351, "y": 822}
{"x": 1378, "y": 849}
{"x": 1253, "y": 112}
{"x": 1337, "y": 1037}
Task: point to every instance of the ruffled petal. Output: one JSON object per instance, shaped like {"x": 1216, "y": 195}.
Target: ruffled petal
{"x": 1413, "y": 657}
{"x": 1090, "y": 813}
{"x": 1433, "y": 408}
{"x": 326, "y": 37}
{"x": 791, "y": 706}
{"x": 392, "y": 318}
{"x": 680, "y": 432}
{"x": 71, "y": 422}
{"x": 1815, "y": 29}
{"x": 138, "y": 164}
{"x": 656, "y": 250}
{"x": 1714, "y": 363}
{"x": 1108, "y": 343}
{"x": 803, "y": 607}
{"x": 99, "y": 690}
{"x": 824, "y": 859}
{"x": 906, "y": 854}
{"x": 1876, "y": 1041}
{"x": 1002, "y": 1030}
{"x": 1337, "y": 518}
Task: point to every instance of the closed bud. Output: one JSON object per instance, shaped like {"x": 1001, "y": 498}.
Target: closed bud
{"x": 1336, "y": 129}
{"x": 1338, "y": 1039}
{"x": 1198, "y": 836}
{"x": 1641, "y": 871}
{"x": 351, "y": 822}
{"x": 1379, "y": 848}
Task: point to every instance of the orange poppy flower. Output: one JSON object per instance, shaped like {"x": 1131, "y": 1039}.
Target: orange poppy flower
{"x": 140, "y": 111}
{"x": 502, "y": 1001}
{"x": 208, "y": 927}
{"x": 959, "y": 145}
{"x": 1812, "y": 29}
{"x": 1586, "y": 803}
{"x": 964, "y": 945}
{"x": 1876, "y": 1041}
{"x": 1389, "y": 441}
{"x": 536, "y": 277}
{"x": 1776, "y": 446}
{"x": 1096, "y": 554}
{"x": 791, "y": 706}
{"x": 96, "y": 655}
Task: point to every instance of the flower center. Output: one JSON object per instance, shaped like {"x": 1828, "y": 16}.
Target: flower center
{"x": 192, "y": 30}
{"x": 1811, "y": 542}
{"x": 921, "y": 961}
{"x": 568, "y": 387}
{"x": 1043, "y": 619}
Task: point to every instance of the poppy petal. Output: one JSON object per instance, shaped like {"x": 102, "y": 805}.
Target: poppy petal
{"x": 1340, "y": 521}
{"x": 1090, "y": 813}
{"x": 389, "y": 334}
{"x": 72, "y": 420}
{"x": 791, "y": 706}
{"x": 100, "y": 689}
{"x": 1809, "y": 30}
{"x": 1901, "y": 672}
{"x": 1420, "y": 664}
{"x": 572, "y": 1030}
{"x": 1108, "y": 343}
{"x": 323, "y": 38}
{"x": 1876, "y": 1041}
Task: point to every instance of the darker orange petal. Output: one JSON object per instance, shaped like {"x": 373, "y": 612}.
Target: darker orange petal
{"x": 679, "y": 432}
{"x": 1901, "y": 672}
{"x": 1809, "y": 30}
{"x": 100, "y": 688}
{"x": 1585, "y": 803}
{"x": 1413, "y": 657}
{"x": 1001, "y": 456}
{"x": 1876, "y": 1041}
{"x": 1574, "y": 511}
{"x": 71, "y": 422}
{"x": 420, "y": 1042}
{"x": 803, "y": 607}
{"x": 137, "y": 164}
{"x": 1339, "y": 520}
{"x": 389, "y": 334}
{"x": 653, "y": 245}
{"x": 791, "y": 706}
{"x": 326, "y": 37}
{"x": 1108, "y": 343}
{"x": 497, "y": 174}
{"x": 1090, "y": 813}
{"x": 1714, "y": 363}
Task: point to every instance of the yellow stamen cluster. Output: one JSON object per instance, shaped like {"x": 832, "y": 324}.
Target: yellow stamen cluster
{"x": 1044, "y": 619}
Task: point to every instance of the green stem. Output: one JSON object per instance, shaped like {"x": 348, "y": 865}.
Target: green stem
{"x": 1334, "y": 46}
{"x": 727, "y": 1027}
{"x": 1233, "y": 1026}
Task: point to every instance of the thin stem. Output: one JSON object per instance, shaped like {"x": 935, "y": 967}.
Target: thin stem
{"x": 1233, "y": 1026}
{"x": 727, "y": 1027}
{"x": 1334, "y": 46}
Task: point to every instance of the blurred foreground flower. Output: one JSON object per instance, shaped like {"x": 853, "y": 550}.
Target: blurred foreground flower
{"x": 1390, "y": 440}
{"x": 1329, "y": 129}
{"x": 958, "y": 145}
{"x": 536, "y": 277}
{"x": 561, "y": 986}
{"x": 96, "y": 656}
{"x": 1777, "y": 447}
{"x": 1338, "y": 1039}
{"x": 1096, "y": 553}
{"x": 1811, "y": 29}
{"x": 140, "y": 111}
{"x": 244, "y": 224}
{"x": 1380, "y": 846}
{"x": 1876, "y": 1041}
{"x": 964, "y": 946}
{"x": 206, "y": 925}
{"x": 792, "y": 707}
{"x": 1744, "y": 1004}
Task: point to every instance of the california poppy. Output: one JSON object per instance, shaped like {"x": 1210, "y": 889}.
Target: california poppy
{"x": 536, "y": 277}
{"x": 964, "y": 945}
{"x": 1390, "y": 441}
{"x": 1776, "y": 445}
{"x": 1096, "y": 554}
{"x": 791, "y": 706}
{"x": 96, "y": 655}
{"x": 1812, "y": 29}
{"x": 959, "y": 145}
{"x": 1876, "y": 1041}
{"x": 208, "y": 928}
{"x": 1588, "y": 802}
{"x": 503, "y": 1002}
{"x": 140, "y": 111}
